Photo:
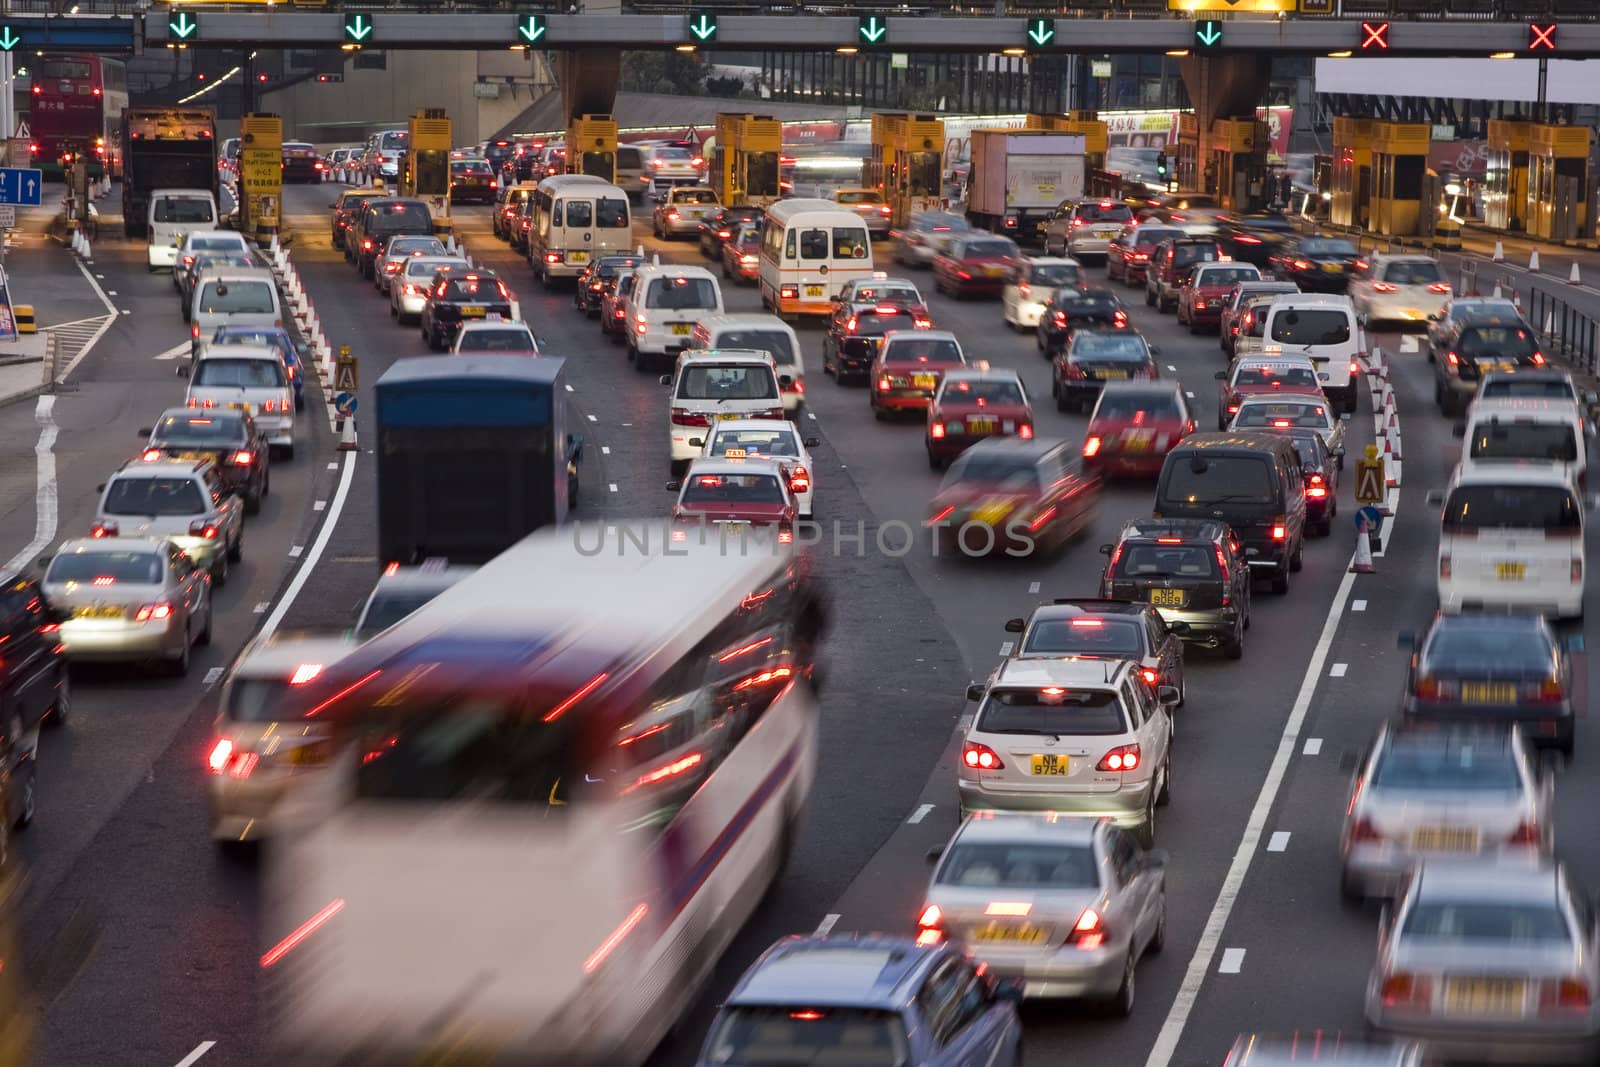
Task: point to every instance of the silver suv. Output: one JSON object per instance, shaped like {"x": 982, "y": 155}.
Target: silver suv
{"x": 183, "y": 501}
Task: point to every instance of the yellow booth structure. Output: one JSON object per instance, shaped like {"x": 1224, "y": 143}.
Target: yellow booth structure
{"x": 1558, "y": 175}
{"x": 425, "y": 165}
{"x": 907, "y": 163}
{"x": 261, "y": 176}
{"x": 1399, "y": 162}
{"x": 1238, "y": 164}
{"x": 1352, "y": 171}
{"x": 592, "y": 147}
{"x": 1505, "y": 179}
{"x": 744, "y": 159}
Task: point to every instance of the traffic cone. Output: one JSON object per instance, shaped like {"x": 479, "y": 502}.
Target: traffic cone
{"x": 1533, "y": 262}
{"x": 1362, "y": 563}
{"x": 1549, "y": 323}
{"x": 1497, "y": 293}
{"x": 1499, "y": 252}
{"x": 347, "y": 437}
{"x": 1392, "y": 473}
{"x": 1391, "y": 452}
{"x": 275, "y": 247}
{"x": 88, "y": 253}
{"x": 1573, "y": 278}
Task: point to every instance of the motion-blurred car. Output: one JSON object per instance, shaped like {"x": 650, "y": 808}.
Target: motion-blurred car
{"x": 908, "y": 368}
{"x": 1065, "y": 906}
{"x": 344, "y": 211}
{"x": 1070, "y": 311}
{"x": 1171, "y": 263}
{"x": 249, "y": 378}
{"x": 1087, "y": 628}
{"x": 1128, "y": 256}
{"x": 457, "y": 298}
{"x": 501, "y": 338}
{"x": 975, "y": 264}
{"x": 128, "y": 599}
{"x": 472, "y": 181}
{"x": 1263, "y": 376}
{"x": 1134, "y": 425}
{"x": 1203, "y": 290}
{"x": 970, "y": 405}
{"x": 925, "y": 236}
{"x": 1033, "y": 284}
{"x": 723, "y": 223}
{"x": 182, "y": 501}
{"x": 1256, "y": 237}
{"x": 1319, "y": 1047}
{"x": 1095, "y": 357}
{"x": 721, "y": 490}
{"x": 869, "y": 204}
{"x": 402, "y": 590}
{"x": 276, "y": 338}
{"x": 741, "y": 254}
{"x": 1317, "y": 264}
{"x": 408, "y": 292}
{"x": 1464, "y": 307}
{"x": 776, "y": 439}
{"x": 598, "y": 277}
{"x": 1190, "y": 570}
{"x": 855, "y": 332}
{"x": 1021, "y": 490}
{"x": 1403, "y": 288}
{"x": 1474, "y": 345}
{"x": 231, "y": 440}
{"x": 1236, "y": 300}
{"x": 301, "y": 162}
{"x": 683, "y": 211}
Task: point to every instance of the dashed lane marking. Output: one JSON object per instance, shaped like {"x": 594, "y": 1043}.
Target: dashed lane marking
{"x": 1171, "y": 368}
{"x": 1338, "y": 670}
{"x": 294, "y": 551}
{"x": 829, "y": 921}
{"x": 199, "y": 1050}
{"x": 319, "y": 505}
{"x": 1188, "y": 395}
{"x": 1005, "y": 649}
{"x": 177, "y": 351}
{"x": 333, "y": 466}
{"x": 214, "y": 675}
{"x": 1279, "y": 842}
{"x": 593, "y": 419}
{"x": 605, "y": 450}
{"x": 1232, "y": 961}
{"x": 612, "y": 486}
{"x": 569, "y": 388}
{"x": 1358, "y": 605}
{"x": 1033, "y": 587}
{"x": 1313, "y": 746}
{"x": 261, "y": 608}
{"x": 920, "y": 814}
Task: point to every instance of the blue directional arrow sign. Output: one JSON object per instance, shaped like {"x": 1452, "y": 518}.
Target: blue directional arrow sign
{"x": 872, "y": 29}
{"x": 182, "y": 26}
{"x": 703, "y": 25}
{"x": 9, "y": 38}
{"x": 1208, "y": 34}
{"x": 530, "y": 28}
{"x": 21, "y": 186}
{"x": 358, "y": 27}
{"x": 345, "y": 404}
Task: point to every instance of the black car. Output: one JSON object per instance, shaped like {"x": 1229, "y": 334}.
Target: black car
{"x": 1320, "y": 469}
{"x": 1254, "y": 238}
{"x": 380, "y": 220}
{"x": 34, "y": 691}
{"x": 856, "y": 332}
{"x": 1317, "y": 264}
{"x": 344, "y": 212}
{"x": 1086, "y": 628}
{"x": 472, "y": 181}
{"x": 1495, "y": 669}
{"x": 1474, "y": 345}
{"x": 599, "y": 277}
{"x": 497, "y": 152}
{"x": 301, "y": 162}
{"x": 461, "y": 296}
{"x": 721, "y": 226}
{"x": 230, "y": 439}
{"x": 1070, "y": 310}
{"x": 1192, "y": 571}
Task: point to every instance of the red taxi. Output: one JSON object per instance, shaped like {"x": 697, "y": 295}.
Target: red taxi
{"x": 1201, "y": 297}
{"x": 739, "y": 491}
{"x": 1009, "y": 494}
{"x": 741, "y": 253}
{"x": 1255, "y": 375}
{"x": 909, "y": 367}
{"x": 1128, "y": 257}
{"x": 971, "y": 405}
{"x": 976, "y": 263}
{"x": 1134, "y": 425}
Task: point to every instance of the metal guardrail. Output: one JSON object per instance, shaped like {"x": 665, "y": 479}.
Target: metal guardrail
{"x": 1567, "y": 333}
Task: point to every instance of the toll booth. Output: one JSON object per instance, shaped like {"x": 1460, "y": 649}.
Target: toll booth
{"x": 1189, "y": 173}
{"x": 1399, "y": 164}
{"x": 425, "y": 164}
{"x": 1505, "y": 180}
{"x": 261, "y": 176}
{"x": 1350, "y": 203}
{"x": 1095, "y": 133}
{"x": 592, "y": 147}
{"x": 724, "y": 172}
{"x": 1558, "y": 177}
{"x": 1238, "y": 164}
{"x": 907, "y": 163}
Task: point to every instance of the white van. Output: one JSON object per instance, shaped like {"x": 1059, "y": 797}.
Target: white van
{"x": 575, "y": 219}
{"x": 665, "y": 303}
{"x": 712, "y": 386}
{"x": 173, "y": 215}
{"x": 1497, "y": 432}
{"x": 1511, "y": 537}
{"x": 1323, "y": 328}
{"x": 765, "y": 333}
{"x": 233, "y": 298}
{"x": 810, "y": 249}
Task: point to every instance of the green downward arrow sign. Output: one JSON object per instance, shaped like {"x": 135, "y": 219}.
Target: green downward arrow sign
{"x": 1042, "y": 31}
{"x": 358, "y": 28}
{"x": 1208, "y": 33}
{"x": 704, "y": 27}
{"x": 531, "y": 28}
{"x": 872, "y": 29}
{"x": 8, "y": 39}
{"x": 180, "y": 24}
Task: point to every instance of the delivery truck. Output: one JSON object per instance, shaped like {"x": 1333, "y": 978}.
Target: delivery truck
{"x": 1019, "y": 178}
{"x": 165, "y": 148}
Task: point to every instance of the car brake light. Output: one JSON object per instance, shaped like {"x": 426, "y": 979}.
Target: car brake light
{"x": 1150, "y": 677}
{"x": 151, "y": 455}
{"x": 1077, "y": 222}
{"x": 936, "y": 430}
{"x": 886, "y": 210}
{"x": 104, "y": 529}
{"x": 1091, "y": 446}
{"x": 153, "y": 611}
{"x": 1300, "y": 264}
{"x": 1121, "y": 758}
{"x": 1383, "y": 287}
{"x": 799, "y": 480}
{"x": 1355, "y": 368}
{"x": 1577, "y": 570}
{"x": 1426, "y": 688}
{"x": 202, "y": 528}
{"x": 243, "y": 458}
{"x": 788, "y": 292}
{"x": 928, "y": 931}
{"x": 850, "y": 327}
{"x": 883, "y": 385}
{"x": 1279, "y": 532}
{"x": 1566, "y": 994}
{"x": 980, "y": 757}
{"x": 1550, "y": 692}
{"x": 1025, "y": 431}
{"x": 1444, "y": 566}
{"x": 1439, "y": 287}
{"x": 1400, "y": 990}
{"x": 221, "y": 753}
{"x": 1363, "y": 830}
{"x": 1089, "y": 932}
{"x": 685, "y": 417}
{"x": 194, "y": 331}
{"x": 366, "y": 246}
{"x": 1538, "y": 359}
{"x": 1527, "y": 833}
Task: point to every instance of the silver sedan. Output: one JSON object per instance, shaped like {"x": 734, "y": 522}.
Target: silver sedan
{"x": 129, "y": 599}
{"x": 1067, "y": 906}
{"x": 396, "y": 252}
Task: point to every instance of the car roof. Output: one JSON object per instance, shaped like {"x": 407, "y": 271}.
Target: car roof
{"x": 1320, "y": 1047}
{"x": 1338, "y": 300}
{"x": 1257, "y": 359}
{"x": 180, "y": 412}
{"x": 1188, "y": 529}
{"x": 92, "y": 545}
{"x": 240, "y": 352}
{"x": 867, "y": 971}
{"x": 975, "y": 374}
{"x": 1496, "y": 622}
{"x": 1080, "y": 674}
{"x": 1143, "y": 386}
{"x": 746, "y": 320}
{"x": 165, "y": 467}
{"x": 722, "y": 465}
{"x": 1033, "y": 447}
{"x": 1532, "y": 374}
{"x": 1019, "y": 828}
{"x": 1551, "y": 475}
{"x": 769, "y": 425}
{"x": 927, "y": 335}
{"x": 1232, "y": 440}
{"x": 494, "y": 324}
{"x": 239, "y": 274}
{"x": 424, "y": 576}
{"x": 1073, "y": 608}
{"x": 1052, "y": 261}
{"x": 675, "y": 270}
{"x": 1402, "y": 257}
{"x": 692, "y": 357}
{"x": 1499, "y": 879}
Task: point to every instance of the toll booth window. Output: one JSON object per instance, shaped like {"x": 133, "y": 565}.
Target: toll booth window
{"x": 814, "y": 244}
{"x": 923, "y": 174}
{"x": 580, "y": 213}
{"x": 611, "y": 214}
{"x": 850, "y": 243}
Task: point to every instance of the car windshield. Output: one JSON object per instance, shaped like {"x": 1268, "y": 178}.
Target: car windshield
{"x": 1088, "y": 305}
{"x": 105, "y": 568}
{"x": 1108, "y": 344}
{"x": 784, "y": 1036}
{"x": 1276, "y": 375}
{"x": 682, "y": 294}
{"x": 1016, "y": 865}
{"x": 859, "y": 196}
{"x": 776, "y": 343}
{"x": 1057, "y": 275}
{"x": 1051, "y": 711}
{"x": 1327, "y": 247}
{"x": 915, "y": 349}
{"x": 1311, "y": 326}
{"x": 1493, "y": 649}
{"x": 1512, "y": 507}
{"x": 1278, "y": 414}
{"x": 1505, "y": 921}
{"x": 1552, "y": 441}
{"x": 240, "y": 297}
{"x": 220, "y": 371}
{"x": 1086, "y": 635}
{"x": 1447, "y": 766}
{"x": 508, "y": 339}
{"x": 1138, "y": 407}
{"x": 470, "y": 288}
{"x": 183, "y": 210}
{"x": 694, "y": 196}
{"x": 998, "y": 249}
{"x": 1495, "y": 342}
{"x": 1211, "y": 276}
{"x": 1527, "y": 386}
{"x": 739, "y": 444}
{"x": 1421, "y": 272}
{"x": 1146, "y": 560}
{"x": 735, "y": 381}
{"x": 389, "y": 606}
{"x": 154, "y": 497}
{"x": 1201, "y": 479}
{"x": 981, "y": 391}
{"x": 1013, "y": 473}
{"x": 733, "y": 489}
{"x": 211, "y": 430}
{"x": 412, "y": 246}
{"x": 1105, "y": 211}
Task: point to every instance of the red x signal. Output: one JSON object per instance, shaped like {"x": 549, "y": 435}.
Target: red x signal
{"x": 1374, "y": 35}
{"x": 1541, "y": 37}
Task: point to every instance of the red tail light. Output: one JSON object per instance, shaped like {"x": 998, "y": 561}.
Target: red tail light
{"x": 1577, "y": 570}
{"x": 672, "y": 214}
{"x": 1538, "y": 359}
{"x": 1383, "y": 287}
{"x": 1439, "y": 287}
{"x": 220, "y": 755}
{"x": 1300, "y": 264}
{"x": 928, "y": 925}
{"x": 157, "y": 612}
{"x": 1316, "y": 490}
{"x": 194, "y": 331}
{"x": 243, "y": 459}
{"x": 799, "y": 480}
{"x": 1550, "y": 692}
{"x": 684, "y": 417}
{"x": 1089, "y": 932}
{"x": 1527, "y": 833}
{"x": 936, "y": 430}
{"x": 1121, "y": 758}
{"x": 1025, "y": 431}
{"x": 1406, "y": 990}
{"x": 883, "y": 385}
{"x": 366, "y": 246}
{"x": 980, "y": 757}
{"x": 1426, "y": 688}
{"x": 788, "y": 292}
{"x": 104, "y": 529}
{"x": 1150, "y": 677}
{"x": 1279, "y": 533}
{"x": 1364, "y": 832}
{"x": 1091, "y": 447}
{"x": 1567, "y": 994}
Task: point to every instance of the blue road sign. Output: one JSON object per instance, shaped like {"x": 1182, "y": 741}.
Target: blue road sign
{"x": 1369, "y": 520}
{"x": 345, "y": 404}
{"x": 21, "y": 186}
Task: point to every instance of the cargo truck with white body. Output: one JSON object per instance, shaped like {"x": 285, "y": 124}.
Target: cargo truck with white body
{"x": 1018, "y": 178}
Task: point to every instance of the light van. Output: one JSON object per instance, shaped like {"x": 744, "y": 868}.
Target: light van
{"x": 173, "y": 215}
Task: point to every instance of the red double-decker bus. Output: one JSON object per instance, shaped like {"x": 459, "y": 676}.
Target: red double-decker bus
{"x": 76, "y": 106}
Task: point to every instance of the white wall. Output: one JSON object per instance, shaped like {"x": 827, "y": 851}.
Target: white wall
{"x": 1571, "y": 81}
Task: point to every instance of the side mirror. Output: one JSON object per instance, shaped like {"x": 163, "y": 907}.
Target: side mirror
{"x": 1591, "y": 398}
{"x": 1169, "y": 696}
{"x": 975, "y": 692}
{"x": 1459, "y": 430}
{"x": 1406, "y": 639}
{"x": 666, "y": 379}
{"x": 813, "y": 442}
{"x": 785, "y": 379}
{"x": 100, "y": 488}
{"x": 1179, "y": 628}
{"x": 935, "y": 854}
{"x": 1106, "y": 550}
{"x": 146, "y": 431}
{"x": 1014, "y": 626}
{"x": 697, "y": 442}
{"x": 1435, "y": 497}
{"x": 1221, "y": 376}
{"x": 1338, "y": 453}
{"x": 673, "y": 487}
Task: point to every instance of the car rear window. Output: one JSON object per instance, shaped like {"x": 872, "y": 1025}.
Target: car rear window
{"x": 732, "y": 489}
{"x": 924, "y": 350}
{"x": 183, "y": 210}
{"x": 752, "y": 443}
{"x": 1521, "y": 386}
{"x": 988, "y": 249}
{"x": 1487, "y": 920}
{"x": 862, "y": 196}
{"x": 510, "y": 339}
{"x": 1086, "y": 636}
{"x": 1327, "y": 246}
{"x": 1056, "y": 275}
{"x": 1275, "y": 374}
{"x": 211, "y": 430}
{"x": 1085, "y": 306}
{"x": 1145, "y": 560}
{"x": 411, "y": 245}
{"x": 1422, "y": 272}
{"x": 879, "y": 321}
{"x": 241, "y": 297}
{"x": 220, "y": 371}
{"x": 1447, "y": 767}
{"x": 1281, "y": 415}
{"x": 1012, "y": 473}
{"x": 237, "y": 259}
{"x": 1137, "y": 407}
{"x": 472, "y": 289}
{"x": 895, "y": 294}
{"x": 1108, "y": 345}
{"x": 682, "y": 294}
{"x": 1146, "y": 236}
{"x": 783, "y": 1036}
{"x": 258, "y": 700}
{"x": 1492, "y": 342}
{"x": 609, "y": 268}
{"x": 1104, "y": 213}
{"x": 1226, "y": 275}
{"x": 1512, "y": 507}
{"x": 1311, "y": 326}
{"x": 472, "y": 166}
{"x": 737, "y": 381}
{"x": 154, "y": 497}
{"x": 1059, "y": 712}
{"x": 421, "y": 267}
{"x": 693, "y": 196}
{"x": 776, "y": 343}
{"x": 388, "y": 606}
{"x": 105, "y": 568}
{"x": 1184, "y": 255}
{"x": 1200, "y": 479}
{"x": 1496, "y": 650}
{"x": 217, "y": 242}
{"x": 1553, "y": 441}
{"x": 980, "y": 391}
{"x": 1016, "y": 865}
{"x": 394, "y": 218}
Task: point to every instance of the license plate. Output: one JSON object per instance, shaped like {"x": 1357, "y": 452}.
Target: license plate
{"x": 1027, "y": 933}
{"x": 991, "y": 514}
{"x": 473, "y": 312}
{"x": 577, "y": 257}
{"x": 814, "y": 290}
{"x": 1050, "y": 765}
{"x": 730, "y": 416}
{"x": 239, "y": 407}
{"x": 1136, "y": 443}
{"x": 681, "y": 329}
{"x": 310, "y": 754}
{"x": 1445, "y": 839}
{"x": 97, "y": 612}
{"x": 924, "y": 381}
{"x": 981, "y": 425}
{"x": 1167, "y": 598}
{"x": 1333, "y": 268}
{"x": 1112, "y": 375}
{"x": 1486, "y": 693}
{"x": 1511, "y": 572}
{"x": 1499, "y": 996}
{"x": 994, "y": 272}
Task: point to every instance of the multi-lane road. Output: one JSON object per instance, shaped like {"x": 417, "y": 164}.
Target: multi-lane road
{"x": 144, "y": 939}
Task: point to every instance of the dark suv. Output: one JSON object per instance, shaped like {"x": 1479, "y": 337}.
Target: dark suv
{"x": 230, "y": 439}
{"x": 344, "y": 212}
{"x": 377, "y": 221}
{"x": 1192, "y": 571}
{"x": 1172, "y": 261}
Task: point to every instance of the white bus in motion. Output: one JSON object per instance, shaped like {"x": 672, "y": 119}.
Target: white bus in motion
{"x": 557, "y": 792}
{"x": 576, "y": 218}
{"x": 809, "y": 250}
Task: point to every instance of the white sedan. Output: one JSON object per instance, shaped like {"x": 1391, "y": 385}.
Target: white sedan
{"x": 497, "y": 338}
{"x": 775, "y": 439}
{"x": 1285, "y": 410}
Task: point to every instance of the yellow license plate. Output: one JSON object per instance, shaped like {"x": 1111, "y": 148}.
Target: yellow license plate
{"x": 92, "y": 612}
{"x": 1485, "y": 693}
{"x": 729, "y": 416}
{"x": 577, "y": 257}
{"x": 1445, "y": 839}
{"x": 814, "y": 290}
{"x": 981, "y": 425}
{"x": 1027, "y": 933}
{"x": 994, "y": 272}
{"x": 310, "y": 754}
{"x": 239, "y": 407}
{"x": 681, "y": 329}
{"x": 1167, "y": 598}
{"x": 1136, "y": 444}
{"x": 1511, "y": 572}
{"x": 991, "y": 514}
{"x": 924, "y": 381}
{"x": 1050, "y": 765}
{"x": 1112, "y": 375}
{"x": 1332, "y": 268}
{"x": 473, "y": 312}
{"x": 1485, "y": 995}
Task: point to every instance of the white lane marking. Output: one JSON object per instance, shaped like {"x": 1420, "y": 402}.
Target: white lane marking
{"x": 605, "y": 450}
{"x": 1166, "y": 1045}
{"x": 127, "y": 311}
{"x": 1232, "y": 961}
{"x": 1408, "y": 343}
{"x": 825, "y": 927}
{"x": 1279, "y": 842}
{"x": 261, "y": 608}
{"x": 1033, "y": 587}
{"x": 1358, "y": 605}
{"x": 920, "y": 814}
{"x": 1171, "y": 368}
{"x": 612, "y": 486}
{"x": 593, "y": 419}
{"x": 1313, "y": 746}
{"x": 214, "y": 675}
{"x": 199, "y": 1050}
{"x": 333, "y": 466}
{"x": 1188, "y": 395}
{"x": 295, "y": 550}
{"x": 46, "y": 493}
{"x": 569, "y": 388}
{"x": 811, "y": 414}
{"x": 318, "y": 505}
{"x": 111, "y": 312}
{"x": 102, "y": 277}
{"x": 324, "y": 535}
{"x": 111, "y": 292}
{"x": 1338, "y": 670}
{"x": 177, "y": 351}
{"x": 1005, "y": 649}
